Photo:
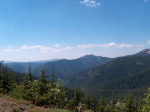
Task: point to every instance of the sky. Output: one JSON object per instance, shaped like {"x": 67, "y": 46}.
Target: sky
{"x": 33, "y": 30}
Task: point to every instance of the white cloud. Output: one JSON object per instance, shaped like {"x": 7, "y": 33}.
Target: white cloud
{"x": 56, "y": 45}
{"x": 25, "y": 47}
{"x": 108, "y": 45}
{"x": 42, "y": 48}
{"x": 90, "y": 3}
{"x": 149, "y": 42}
{"x": 88, "y": 46}
{"x": 145, "y": 0}
{"x": 8, "y": 50}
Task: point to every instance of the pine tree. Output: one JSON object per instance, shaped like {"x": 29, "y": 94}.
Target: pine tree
{"x": 29, "y": 74}
{"x": 93, "y": 102}
{"x": 27, "y": 78}
{"x": 87, "y": 100}
{"x": 102, "y": 103}
{"x": 76, "y": 98}
{"x": 63, "y": 98}
{"x": 52, "y": 81}
{"x": 129, "y": 103}
{"x": 42, "y": 83}
{"x": 5, "y": 79}
{"x": 112, "y": 104}
{"x": 13, "y": 83}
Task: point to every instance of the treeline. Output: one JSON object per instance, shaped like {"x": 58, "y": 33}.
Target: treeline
{"x": 49, "y": 93}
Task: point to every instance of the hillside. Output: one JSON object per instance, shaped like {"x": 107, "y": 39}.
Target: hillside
{"x": 8, "y": 104}
{"x": 62, "y": 68}
{"x": 16, "y": 75}
{"x": 121, "y": 74}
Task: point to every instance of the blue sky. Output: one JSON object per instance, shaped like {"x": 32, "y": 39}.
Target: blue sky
{"x": 32, "y": 30}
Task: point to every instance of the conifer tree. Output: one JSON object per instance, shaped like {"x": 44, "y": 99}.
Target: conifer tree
{"x": 93, "y": 102}
{"x": 87, "y": 100}
{"x": 102, "y": 103}
{"x": 29, "y": 74}
{"x": 13, "y": 83}
{"x": 5, "y": 79}
{"x": 27, "y": 78}
{"x": 42, "y": 83}
{"x": 63, "y": 98}
{"x": 75, "y": 100}
{"x": 112, "y": 104}
{"x": 129, "y": 103}
{"x": 52, "y": 80}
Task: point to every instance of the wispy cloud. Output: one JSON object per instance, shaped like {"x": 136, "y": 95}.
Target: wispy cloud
{"x": 149, "y": 42}
{"x": 25, "y": 47}
{"x": 88, "y": 46}
{"x": 42, "y": 48}
{"x": 41, "y": 52}
{"x": 145, "y": 0}
{"x": 49, "y": 49}
{"x": 90, "y": 3}
{"x": 56, "y": 45}
{"x": 109, "y": 45}
{"x": 8, "y": 50}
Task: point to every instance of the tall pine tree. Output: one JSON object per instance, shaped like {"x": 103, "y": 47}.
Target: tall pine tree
{"x": 93, "y": 102}
{"x": 42, "y": 83}
{"x": 52, "y": 80}
{"x": 5, "y": 79}
{"x": 102, "y": 103}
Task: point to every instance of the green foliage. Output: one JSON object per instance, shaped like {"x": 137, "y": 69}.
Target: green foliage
{"x": 5, "y": 79}
{"x": 52, "y": 81}
{"x": 102, "y": 104}
{"x": 146, "y": 106}
{"x": 41, "y": 92}
{"x": 93, "y": 102}
{"x": 28, "y": 77}
{"x": 73, "y": 103}
{"x": 129, "y": 103}
{"x": 87, "y": 100}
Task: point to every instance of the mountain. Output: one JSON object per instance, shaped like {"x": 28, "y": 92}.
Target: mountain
{"x": 62, "y": 68}
{"x": 118, "y": 75}
{"x": 145, "y": 52}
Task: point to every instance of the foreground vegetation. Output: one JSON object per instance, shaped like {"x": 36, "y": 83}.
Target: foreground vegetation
{"x": 52, "y": 96}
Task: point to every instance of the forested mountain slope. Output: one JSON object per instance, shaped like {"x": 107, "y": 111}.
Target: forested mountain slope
{"x": 121, "y": 74}
{"x": 62, "y": 68}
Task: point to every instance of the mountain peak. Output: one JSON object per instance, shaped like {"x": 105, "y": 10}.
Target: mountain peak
{"x": 145, "y": 52}
{"x": 87, "y": 56}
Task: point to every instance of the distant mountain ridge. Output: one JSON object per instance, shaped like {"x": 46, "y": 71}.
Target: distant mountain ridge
{"x": 62, "y": 68}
